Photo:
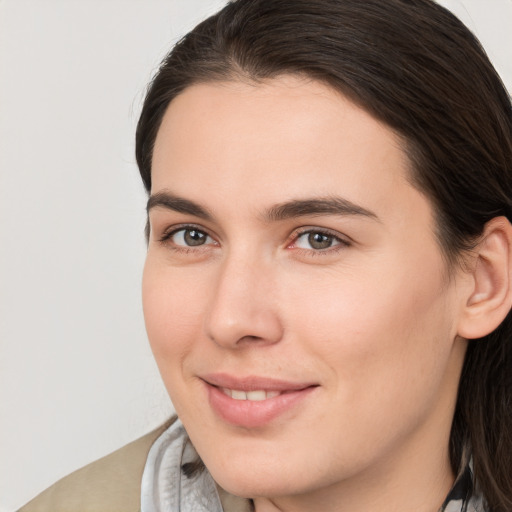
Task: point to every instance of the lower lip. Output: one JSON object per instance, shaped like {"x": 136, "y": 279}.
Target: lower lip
{"x": 253, "y": 414}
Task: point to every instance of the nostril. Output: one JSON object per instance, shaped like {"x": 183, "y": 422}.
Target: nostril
{"x": 248, "y": 327}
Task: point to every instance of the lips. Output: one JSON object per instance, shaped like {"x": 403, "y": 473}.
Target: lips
{"x": 253, "y": 402}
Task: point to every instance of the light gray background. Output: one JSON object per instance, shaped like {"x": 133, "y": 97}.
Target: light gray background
{"x": 77, "y": 379}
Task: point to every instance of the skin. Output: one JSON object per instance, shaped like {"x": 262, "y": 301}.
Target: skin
{"x": 372, "y": 319}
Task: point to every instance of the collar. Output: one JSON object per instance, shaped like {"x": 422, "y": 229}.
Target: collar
{"x": 166, "y": 488}
{"x": 463, "y": 496}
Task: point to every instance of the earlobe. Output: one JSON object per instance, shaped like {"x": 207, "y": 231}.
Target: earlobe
{"x": 490, "y": 297}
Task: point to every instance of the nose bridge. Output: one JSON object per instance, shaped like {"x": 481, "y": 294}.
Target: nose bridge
{"x": 242, "y": 305}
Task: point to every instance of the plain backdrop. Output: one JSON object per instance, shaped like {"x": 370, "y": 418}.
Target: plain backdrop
{"x": 77, "y": 379}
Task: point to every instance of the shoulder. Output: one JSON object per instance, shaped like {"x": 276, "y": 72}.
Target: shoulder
{"x": 109, "y": 484}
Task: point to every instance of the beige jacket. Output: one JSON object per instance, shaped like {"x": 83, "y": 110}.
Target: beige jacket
{"x": 111, "y": 484}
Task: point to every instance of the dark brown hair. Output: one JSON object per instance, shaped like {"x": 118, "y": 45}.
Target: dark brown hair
{"x": 416, "y": 67}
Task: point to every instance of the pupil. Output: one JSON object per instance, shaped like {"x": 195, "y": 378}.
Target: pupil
{"x": 319, "y": 240}
{"x": 194, "y": 237}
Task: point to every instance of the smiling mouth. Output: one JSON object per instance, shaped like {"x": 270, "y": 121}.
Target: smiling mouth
{"x": 254, "y": 402}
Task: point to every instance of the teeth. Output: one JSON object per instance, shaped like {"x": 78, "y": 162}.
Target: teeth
{"x": 256, "y": 396}
{"x": 253, "y": 396}
{"x": 238, "y": 395}
{"x": 226, "y": 391}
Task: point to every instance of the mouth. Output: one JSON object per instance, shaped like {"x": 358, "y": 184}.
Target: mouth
{"x": 252, "y": 402}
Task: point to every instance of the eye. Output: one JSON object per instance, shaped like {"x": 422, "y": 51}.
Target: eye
{"x": 188, "y": 237}
{"x": 317, "y": 240}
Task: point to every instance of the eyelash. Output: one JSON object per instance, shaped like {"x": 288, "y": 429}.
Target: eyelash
{"x": 340, "y": 243}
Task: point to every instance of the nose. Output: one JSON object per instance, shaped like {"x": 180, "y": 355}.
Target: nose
{"x": 242, "y": 308}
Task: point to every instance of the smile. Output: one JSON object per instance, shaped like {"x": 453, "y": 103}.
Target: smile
{"x": 253, "y": 402}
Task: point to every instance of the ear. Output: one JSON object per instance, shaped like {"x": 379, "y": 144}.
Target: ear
{"x": 490, "y": 295}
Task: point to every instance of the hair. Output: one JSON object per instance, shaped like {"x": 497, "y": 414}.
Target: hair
{"x": 414, "y": 66}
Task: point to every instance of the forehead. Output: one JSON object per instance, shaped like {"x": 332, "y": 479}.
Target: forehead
{"x": 279, "y": 116}
{"x": 287, "y": 138}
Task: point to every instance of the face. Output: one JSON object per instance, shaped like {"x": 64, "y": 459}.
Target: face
{"x": 296, "y": 300}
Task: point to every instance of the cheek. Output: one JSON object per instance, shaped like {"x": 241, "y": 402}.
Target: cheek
{"x": 172, "y": 311}
{"x": 384, "y": 337}
{"x": 173, "y": 306}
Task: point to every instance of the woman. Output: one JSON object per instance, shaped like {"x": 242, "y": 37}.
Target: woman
{"x": 327, "y": 288}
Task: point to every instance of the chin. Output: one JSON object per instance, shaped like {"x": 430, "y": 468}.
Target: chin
{"x": 251, "y": 485}
{"x": 249, "y": 476}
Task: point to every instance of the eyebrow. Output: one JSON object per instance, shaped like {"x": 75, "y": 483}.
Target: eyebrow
{"x": 169, "y": 201}
{"x": 319, "y": 206}
{"x": 332, "y": 205}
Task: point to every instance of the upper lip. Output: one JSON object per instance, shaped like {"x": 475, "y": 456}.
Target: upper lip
{"x": 253, "y": 383}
